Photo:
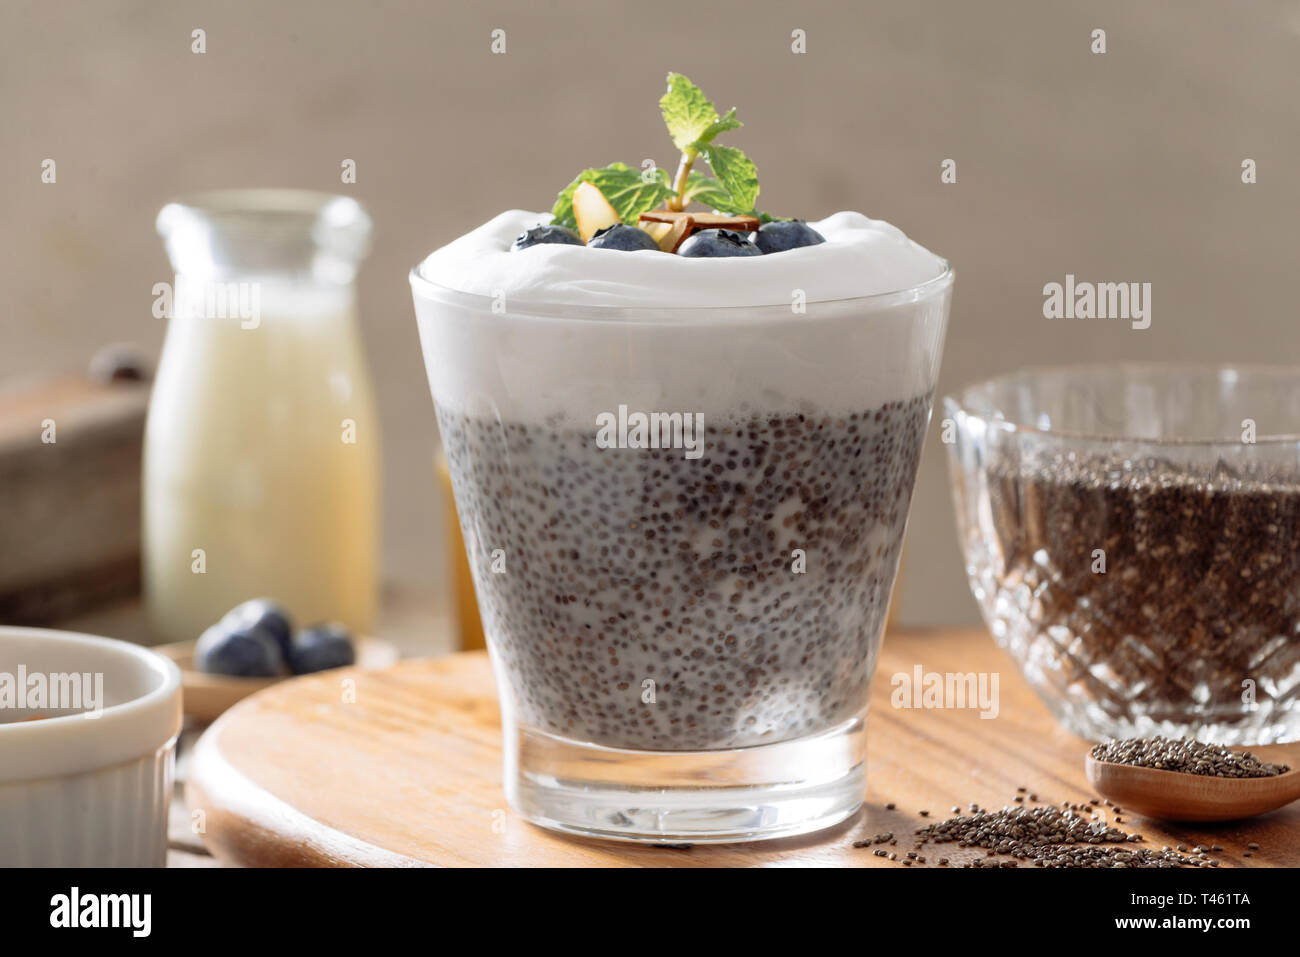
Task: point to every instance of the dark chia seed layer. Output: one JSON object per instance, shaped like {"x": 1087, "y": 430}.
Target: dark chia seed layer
{"x": 1200, "y": 594}
{"x": 624, "y": 567}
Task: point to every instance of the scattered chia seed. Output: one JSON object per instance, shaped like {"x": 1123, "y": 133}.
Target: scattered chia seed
{"x": 1046, "y": 836}
{"x": 1186, "y": 756}
{"x": 1049, "y": 837}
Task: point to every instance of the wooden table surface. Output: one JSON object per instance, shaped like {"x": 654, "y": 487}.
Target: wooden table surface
{"x": 409, "y": 773}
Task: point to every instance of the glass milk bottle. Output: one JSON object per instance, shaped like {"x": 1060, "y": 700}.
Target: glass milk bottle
{"x": 261, "y": 461}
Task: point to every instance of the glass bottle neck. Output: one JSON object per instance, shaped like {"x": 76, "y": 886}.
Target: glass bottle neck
{"x": 265, "y": 234}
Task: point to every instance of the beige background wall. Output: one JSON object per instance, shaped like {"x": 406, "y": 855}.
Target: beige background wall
{"x": 1115, "y": 167}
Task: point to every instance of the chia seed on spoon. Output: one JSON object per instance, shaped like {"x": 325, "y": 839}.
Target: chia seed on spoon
{"x": 1186, "y": 756}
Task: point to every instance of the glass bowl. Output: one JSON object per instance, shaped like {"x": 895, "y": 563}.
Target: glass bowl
{"x": 1130, "y": 533}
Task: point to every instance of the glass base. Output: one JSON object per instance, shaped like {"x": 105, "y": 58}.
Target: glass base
{"x": 687, "y": 797}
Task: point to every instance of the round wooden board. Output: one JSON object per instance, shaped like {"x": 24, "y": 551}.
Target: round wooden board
{"x": 407, "y": 774}
{"x": 403, "y": 767}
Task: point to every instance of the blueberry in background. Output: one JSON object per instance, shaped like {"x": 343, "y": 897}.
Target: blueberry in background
{"x": 782, "y": 234}
{"x": 238, "y": 652}
{"x": 626, "y": 238}
{"x": 321, "y": 647}
{"x": 717, "y": 243}
{"x": 540, "y": 235}
{"x": 270, "y": 616}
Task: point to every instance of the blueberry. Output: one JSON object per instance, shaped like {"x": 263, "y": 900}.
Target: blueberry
{"x": 320, "y": 647}
{"x": 239, "y": 652}
{"x": 262, "y": 613}
{"x": 782, "y": 234}
{"x": 718, "y": 242}
{"x": 539, "y": 235}
{"x": 627, "y": 238}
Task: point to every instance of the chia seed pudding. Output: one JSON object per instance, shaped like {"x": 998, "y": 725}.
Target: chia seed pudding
{"x": 683, "y": 617}
{"x": 624, "y": 565}
{"x": 1200, "y": 591}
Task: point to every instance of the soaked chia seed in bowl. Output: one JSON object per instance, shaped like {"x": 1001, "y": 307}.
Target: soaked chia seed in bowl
{"x": 1191, "y": 625}
{"x": 628, "y": 571}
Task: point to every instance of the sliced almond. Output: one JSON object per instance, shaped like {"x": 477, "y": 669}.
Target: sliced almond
{"x": 682, "y": 225}
{"x": 669, "y": 235}
{"x": 741, "y": 224}
{"x": 663, "y": 215}
{"x": 592, "y": 210}
{"x": 677, "y": 233}
{"x": 657, "y": 231}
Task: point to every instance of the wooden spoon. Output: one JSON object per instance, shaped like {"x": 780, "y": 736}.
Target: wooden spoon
{"x": 1174, "y": 796}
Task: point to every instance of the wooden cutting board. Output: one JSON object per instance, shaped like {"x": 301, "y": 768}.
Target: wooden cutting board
{"x": 70, "y": 451}
{"x": 409, "y": 773}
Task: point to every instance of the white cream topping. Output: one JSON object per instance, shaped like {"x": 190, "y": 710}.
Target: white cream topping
{"x": 861, "y": 257}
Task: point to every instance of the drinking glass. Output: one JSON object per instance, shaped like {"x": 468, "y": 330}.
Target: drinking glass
{"x": 684, "y": 527}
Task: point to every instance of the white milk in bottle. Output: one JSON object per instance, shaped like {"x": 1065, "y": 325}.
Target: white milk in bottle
{"x": 261, "y": 462}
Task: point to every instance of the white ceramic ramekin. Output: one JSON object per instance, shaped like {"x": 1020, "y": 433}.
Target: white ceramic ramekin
{"x": 86, "y": 788}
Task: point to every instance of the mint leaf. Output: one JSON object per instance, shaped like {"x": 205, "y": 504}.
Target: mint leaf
{"x": 736, "y": 173}
{"x": 724, "y": 123}
{"x": 629, "y": 191}
{"x": 687, "y": 112}
{"x": 694, "y": 125}
{"x": 707, "y": 191}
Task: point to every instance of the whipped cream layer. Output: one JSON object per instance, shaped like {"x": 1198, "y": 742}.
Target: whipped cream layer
{"x": 838, "y": 353}
{"x": 861, "y": 257}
